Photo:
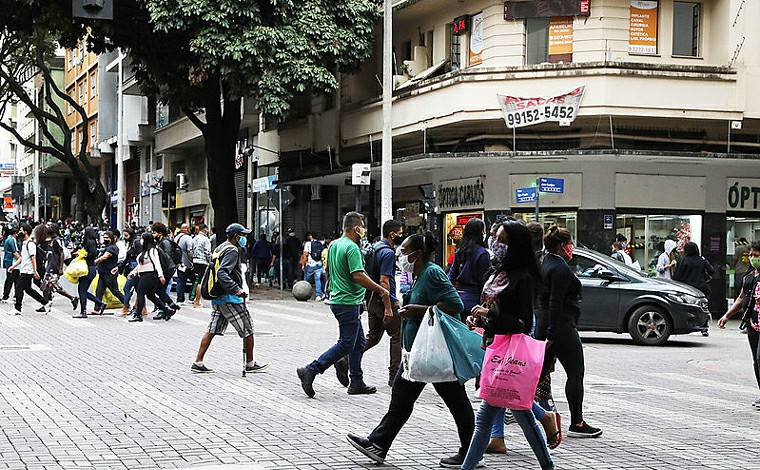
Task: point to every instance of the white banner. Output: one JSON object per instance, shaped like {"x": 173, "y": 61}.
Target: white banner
{"x": 521, "y": 112}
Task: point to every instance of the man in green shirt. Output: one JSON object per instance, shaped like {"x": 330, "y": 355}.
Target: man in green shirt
{"x": 348, "y": 284}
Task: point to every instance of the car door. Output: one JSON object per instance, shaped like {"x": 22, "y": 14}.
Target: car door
{"x": 600, "y": 298}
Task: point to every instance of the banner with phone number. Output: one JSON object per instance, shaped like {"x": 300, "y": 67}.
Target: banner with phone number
{"x": 521, "y": 112}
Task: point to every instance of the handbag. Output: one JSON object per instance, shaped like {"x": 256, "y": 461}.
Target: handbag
{"x": 429, "y": 359}
{"x": 511, "y": 369}
{"x": 464, "y": 347}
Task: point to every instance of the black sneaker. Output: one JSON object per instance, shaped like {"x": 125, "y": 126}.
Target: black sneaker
{"x": 366, "y": 447}
{"x": 102, "y": 309}
{"x": 200, "y": 369}
{"x": 160, "y": 315}
{"x": 341, "y": 371}
{"x": 75, "y": 303}
{"x": 583, "y": 429}
{"x": 307, "y": 380}
{"x": 362, "y": 389}
{"x": 456, "y": 461}
{"x": 256, "y": 367}
{"x": 135, "y": 318}
{"x": 81, "y": 315}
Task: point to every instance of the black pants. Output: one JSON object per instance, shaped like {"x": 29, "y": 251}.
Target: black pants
{"x": 10, "y": 281}
{"x": 109, "y": 281}
{"x": 262, "y": 268}
{"x": 403, "y": 397}
{"x": 24, "y": 284}
{"x": 150, "y": 286}
{"x": 754, "y": 341}
{"x": 568, "y": 350}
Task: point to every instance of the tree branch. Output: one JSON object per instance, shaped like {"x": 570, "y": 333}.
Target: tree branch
{"x": 26, "y": 142}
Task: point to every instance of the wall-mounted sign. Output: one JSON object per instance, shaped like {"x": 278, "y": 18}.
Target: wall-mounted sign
{"x": 521, "y": 112}
{"x": 263, "y": 184}
{"x": 476, "y": 40}
{"x": 468, "y": 193}
{"x": 546, "y": 9}
{"x": 561, "y": 36}
{"x": 551, "y": 185}
{"x": 461, "y": 25}
{"x": 523, "y": 195}
{"x": 360, "y": 174}
{"x": 642, "y": 30}
{"x": 743, "y": 195}
{"x": 608, "y": 221}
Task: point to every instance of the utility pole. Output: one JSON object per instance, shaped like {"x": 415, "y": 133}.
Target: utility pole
{"x": 386, "y": 188}
{"x": 121, "y": 191}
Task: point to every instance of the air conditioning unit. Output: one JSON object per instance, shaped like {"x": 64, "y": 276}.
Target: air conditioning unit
{"x": 181, "y": 181}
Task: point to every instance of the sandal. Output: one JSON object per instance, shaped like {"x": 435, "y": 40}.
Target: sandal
{"x": 555, "y": 440}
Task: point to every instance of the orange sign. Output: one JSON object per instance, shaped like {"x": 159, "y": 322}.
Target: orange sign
{"x": 561, "y": 35}
{"x": 642, "y": 38}
{"x": 8, "y": 202}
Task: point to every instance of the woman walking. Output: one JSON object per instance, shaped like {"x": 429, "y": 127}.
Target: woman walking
{"x": 431, "y": 288}
{"x": 695, "y": 271}
{"x": 747, "y": 304}
{"x": 134, "y": 248}
{"x": 471, "y": 264}
{"x": 561, "y": 296}
{"x": 150, "y": 278}
{"x": 52, "y": 243}
{"x": 90, "y": 245}
{"x": 507, "y": 308}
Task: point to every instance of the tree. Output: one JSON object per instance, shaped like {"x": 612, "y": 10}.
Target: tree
{"x": 22, "y": 57}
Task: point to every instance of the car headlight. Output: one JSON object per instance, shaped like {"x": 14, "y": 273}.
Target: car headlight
{"x": 683, "y": 298}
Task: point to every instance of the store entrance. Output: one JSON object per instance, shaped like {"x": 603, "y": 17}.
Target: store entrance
{"x": 741, "y": 231}
{"x": 646, "y": 235}
{"x": 453, "y": 229}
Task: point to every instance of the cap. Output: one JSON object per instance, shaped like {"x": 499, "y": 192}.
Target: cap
{"x": 232, "y": 229}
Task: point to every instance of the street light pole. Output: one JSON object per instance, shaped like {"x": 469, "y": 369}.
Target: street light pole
{"x": 386, "y": 189}
{"x": 121, "y": 192}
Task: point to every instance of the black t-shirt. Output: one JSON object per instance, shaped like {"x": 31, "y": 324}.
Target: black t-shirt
{"x": 92, "y": 252}
{"x": 109, "y": 263}
{"x": 749, "y": 282}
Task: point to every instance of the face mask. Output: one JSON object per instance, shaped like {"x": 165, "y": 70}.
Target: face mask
{"x": 242, "y": 241}
{"x": 406, "y": 265}
{"x": 499, "y": 250}
{"x": 361, "y": 231}
{"x": 755, "y": 262}
{"x": 569, "y": 251}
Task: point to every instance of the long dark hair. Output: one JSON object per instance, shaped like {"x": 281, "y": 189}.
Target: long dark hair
{"x": 520, "y": 255}
{"x": 90, "y": 234}
{"x": 471, "y": 240}
{"x": 426, "y": 244}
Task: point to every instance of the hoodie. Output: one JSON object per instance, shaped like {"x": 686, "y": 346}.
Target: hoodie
{"x": 662, "y": 271}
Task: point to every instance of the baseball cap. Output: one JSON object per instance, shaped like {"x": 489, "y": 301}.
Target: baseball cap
{"x": 237, "y": 228}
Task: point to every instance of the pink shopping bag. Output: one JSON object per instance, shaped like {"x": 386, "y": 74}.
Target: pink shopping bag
{"x": 511, "y": 369}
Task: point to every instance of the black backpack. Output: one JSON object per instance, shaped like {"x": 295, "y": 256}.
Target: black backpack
{"x": 371, "y": 266}
{"x": 175, "y": 252}
{"x": 315, "y": 250}
{"x": 41, "y": 258}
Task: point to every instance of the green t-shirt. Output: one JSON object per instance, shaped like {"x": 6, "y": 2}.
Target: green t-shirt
{"x": 344, "y": 258}
{"x": 431, "y": 286}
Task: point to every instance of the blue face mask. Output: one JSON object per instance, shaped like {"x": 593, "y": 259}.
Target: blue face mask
{"x": 242, "y": 241}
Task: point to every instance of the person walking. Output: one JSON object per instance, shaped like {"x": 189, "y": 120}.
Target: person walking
{"x": 133, "y": 250}
{"x": 169, "y": 267}
{"x": 348, "y": 284}
{"x": 563, "y": 291}
{"x": 666, "y": 262}
{"x": 54, "y": 265}
{"x": 185, "y": 271}
{"x": 696, "y": 271}
{"x": 27, "y": 268}
{"x": 201, "y": 260}
{"x": 431, "y": 288}
{"x": 10, "y": 255}
{"x": 90, "y": 245}
{"x": 312, "y": 263}
{"x": 261, "y": 253}
{"x": 506, "y": 308}
{"x": 746, "y": 303}
{"x": 471, "y": 264}
{"x": 230, "y": 307}
{"x": 108, "y": 271}
{"x": 619, "y": 254}
{"x": 292, "y": 254}
{"x": 150, "y": 278}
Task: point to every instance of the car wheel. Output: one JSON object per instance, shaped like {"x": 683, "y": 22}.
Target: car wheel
{"x": 649, "y": 326}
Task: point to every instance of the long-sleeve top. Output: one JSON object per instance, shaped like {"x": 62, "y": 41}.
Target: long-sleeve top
{"x": 693, "y": 270}
{"x": 261, "y": 249}
{"x": 148, "y": 262}
{"x": 563, "y": 290}
{"x": 469, "y": 275}
{"x": 513, "y": 310}
{"x": 202, "y": 252}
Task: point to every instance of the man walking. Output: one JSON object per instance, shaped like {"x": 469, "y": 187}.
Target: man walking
{"x": 201, "y": 259}
{"x": 10, "y": 246}
{"x": 27, "y": 268}
{"x": 348, "y": 284}
{"x": 312, "y": 263}
{"x": 230, "y": 306}
{"x": 292, "y": 254}
{"x": 185, "y": 271}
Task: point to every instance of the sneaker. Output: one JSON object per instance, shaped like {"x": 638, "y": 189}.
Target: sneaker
{"x": 75, "y": 303}
{"x": 307, "y": 380}
{"x": 341, "y": 371}
{"x": 366, "y": 447}
{"x": 756, "y": 403}
{"x": 326, "y": 301}
{"x": 456, "y": 461}
{"x": 362, "y": 389}
{"x": 256, "y": 367}
{"x": 135, "y": 318}
{"x": 43, "y": 309}
{"x": 81, "y": 315}
{"x": 160, "y": 315}
{"x": 705, "y": 333}
{"x": 583, "y": 429}
{"x": 319, "y": 298}
{"x": 200, "y": 369}
{"x": 6, "y": 301}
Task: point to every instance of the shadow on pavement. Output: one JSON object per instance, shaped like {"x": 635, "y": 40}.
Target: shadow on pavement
{"x": 624, "y": 340}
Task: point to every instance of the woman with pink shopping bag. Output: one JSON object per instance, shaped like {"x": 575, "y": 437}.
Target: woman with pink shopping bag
{"x": 513, "y": 360}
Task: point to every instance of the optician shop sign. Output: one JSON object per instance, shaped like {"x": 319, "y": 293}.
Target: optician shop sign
{"x": 743, "y": 194}
{"x": 521, "y": 112}
{"x": 467, "y": 193}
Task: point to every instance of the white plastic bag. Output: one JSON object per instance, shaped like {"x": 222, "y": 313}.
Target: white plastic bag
{"x": 429, "y": 360}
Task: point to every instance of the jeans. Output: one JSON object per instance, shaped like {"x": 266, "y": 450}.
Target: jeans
{"x": 24, "y": 284}
{"x": 10, "y": 282}
{"x": 530, "y": 428}
{"x": 182, "y": 278}
{"x": 375, "y": 314}
{"x": 109, "y": 281}
{"x": 568, "y": 350}
{"x": 163, "y": 294}
{"x": 316, "y": 272}
{"x": 403, "y": 397}
{"x": 83, "y": 287}
{"x": 128, "y": 286}
{"x": 497, "y": 430}
{"x": 350, "y": 342}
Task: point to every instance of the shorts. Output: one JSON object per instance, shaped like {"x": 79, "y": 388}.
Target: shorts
{"x": 200, "y": 270}
{"x": 235, "y": 314}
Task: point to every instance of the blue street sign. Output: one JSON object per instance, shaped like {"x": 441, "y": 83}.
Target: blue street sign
{"x": 525, "y": 195}
{"x": 551, "y": 185}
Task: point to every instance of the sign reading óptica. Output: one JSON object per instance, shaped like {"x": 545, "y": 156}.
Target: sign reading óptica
{"x": 468, "y": 193}
{"x": 743, "y": 194}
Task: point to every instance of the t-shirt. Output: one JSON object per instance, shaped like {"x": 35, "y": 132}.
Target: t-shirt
{"x": 28, "y": 249}
{"x": 307, "y": 249}
{"x": 386, "y": 260}
{"x": 431, "y": 286}
{"x": 344, "y": 259}
{"x": 186, "y": 244}
{"x": 109, "y": 263}
{"x": 10, "y": 245}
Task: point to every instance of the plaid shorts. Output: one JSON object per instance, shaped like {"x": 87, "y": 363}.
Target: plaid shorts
{"x": 236, "y": 314}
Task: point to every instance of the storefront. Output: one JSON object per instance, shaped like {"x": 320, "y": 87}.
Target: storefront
{"x": 458, "y": 201}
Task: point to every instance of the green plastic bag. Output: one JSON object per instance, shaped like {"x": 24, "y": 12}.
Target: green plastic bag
{"x": 464, "y": 346}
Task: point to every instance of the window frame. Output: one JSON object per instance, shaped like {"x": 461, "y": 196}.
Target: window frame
{"x": 696, "y": 43}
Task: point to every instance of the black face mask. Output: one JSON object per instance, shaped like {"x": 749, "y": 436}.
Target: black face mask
{"x": 398, "y": 240}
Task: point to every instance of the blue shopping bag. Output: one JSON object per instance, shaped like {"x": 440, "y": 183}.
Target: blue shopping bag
{"x": 464, "y": 347}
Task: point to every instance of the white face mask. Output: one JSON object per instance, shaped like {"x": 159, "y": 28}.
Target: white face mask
{"x": 404, "y": 263}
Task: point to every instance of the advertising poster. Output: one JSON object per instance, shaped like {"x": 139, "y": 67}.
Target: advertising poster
{"x": 561, "y": 35}
{"x": 643, "y": 27}
{"x": 476, "y": 40}
{"x": 521, "y": 112}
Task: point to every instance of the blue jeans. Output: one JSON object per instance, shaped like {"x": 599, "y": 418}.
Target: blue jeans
{"x": 128, "y": 286}
{"x": 182, "y": 278}
{"x": 350, "y": 342}
{"x": 316, "y": 271}
{"x": 497, "y": 430}
{"x": 526, "y": 420}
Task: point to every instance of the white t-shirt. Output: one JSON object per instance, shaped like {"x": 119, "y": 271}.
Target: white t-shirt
{"x": 28, "y": 249}
{"x": 309, "y": 260}
{"x": 122, "y": 250}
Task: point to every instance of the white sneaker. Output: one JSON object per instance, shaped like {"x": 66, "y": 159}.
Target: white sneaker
{"x": 319, "y": 298}
{"x": 326, "y": 301}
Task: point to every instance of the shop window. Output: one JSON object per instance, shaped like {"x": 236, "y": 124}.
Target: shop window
{"x": 741, "y": 232}
{"x": 646, "y": 235}
{"x": 566, "y": 220}
{"x": 454, "y": 229}
{"x": 686, "y": 28}
{"x": 549, "y": 40}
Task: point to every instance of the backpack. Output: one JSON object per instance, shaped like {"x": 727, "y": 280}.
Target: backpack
{"x": 315, "y": 250}
{"x": 175, "y": 252}
{"x": 41, "y": 258}
{"x": 371, "y": 266}
{"x": 168, "y": 263}
{"x": 210, "y": 287}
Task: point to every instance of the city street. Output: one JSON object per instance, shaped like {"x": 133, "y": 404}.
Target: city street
{"x": 104, "y": 393}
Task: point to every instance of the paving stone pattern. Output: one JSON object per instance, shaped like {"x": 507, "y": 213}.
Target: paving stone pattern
{"x": 103, "y": 393}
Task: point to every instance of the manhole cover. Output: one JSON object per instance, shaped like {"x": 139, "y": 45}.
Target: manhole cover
{"x": 616, "y": 389}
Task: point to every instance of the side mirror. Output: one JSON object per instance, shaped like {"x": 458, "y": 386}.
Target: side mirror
{"x": 607, "y": 275}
